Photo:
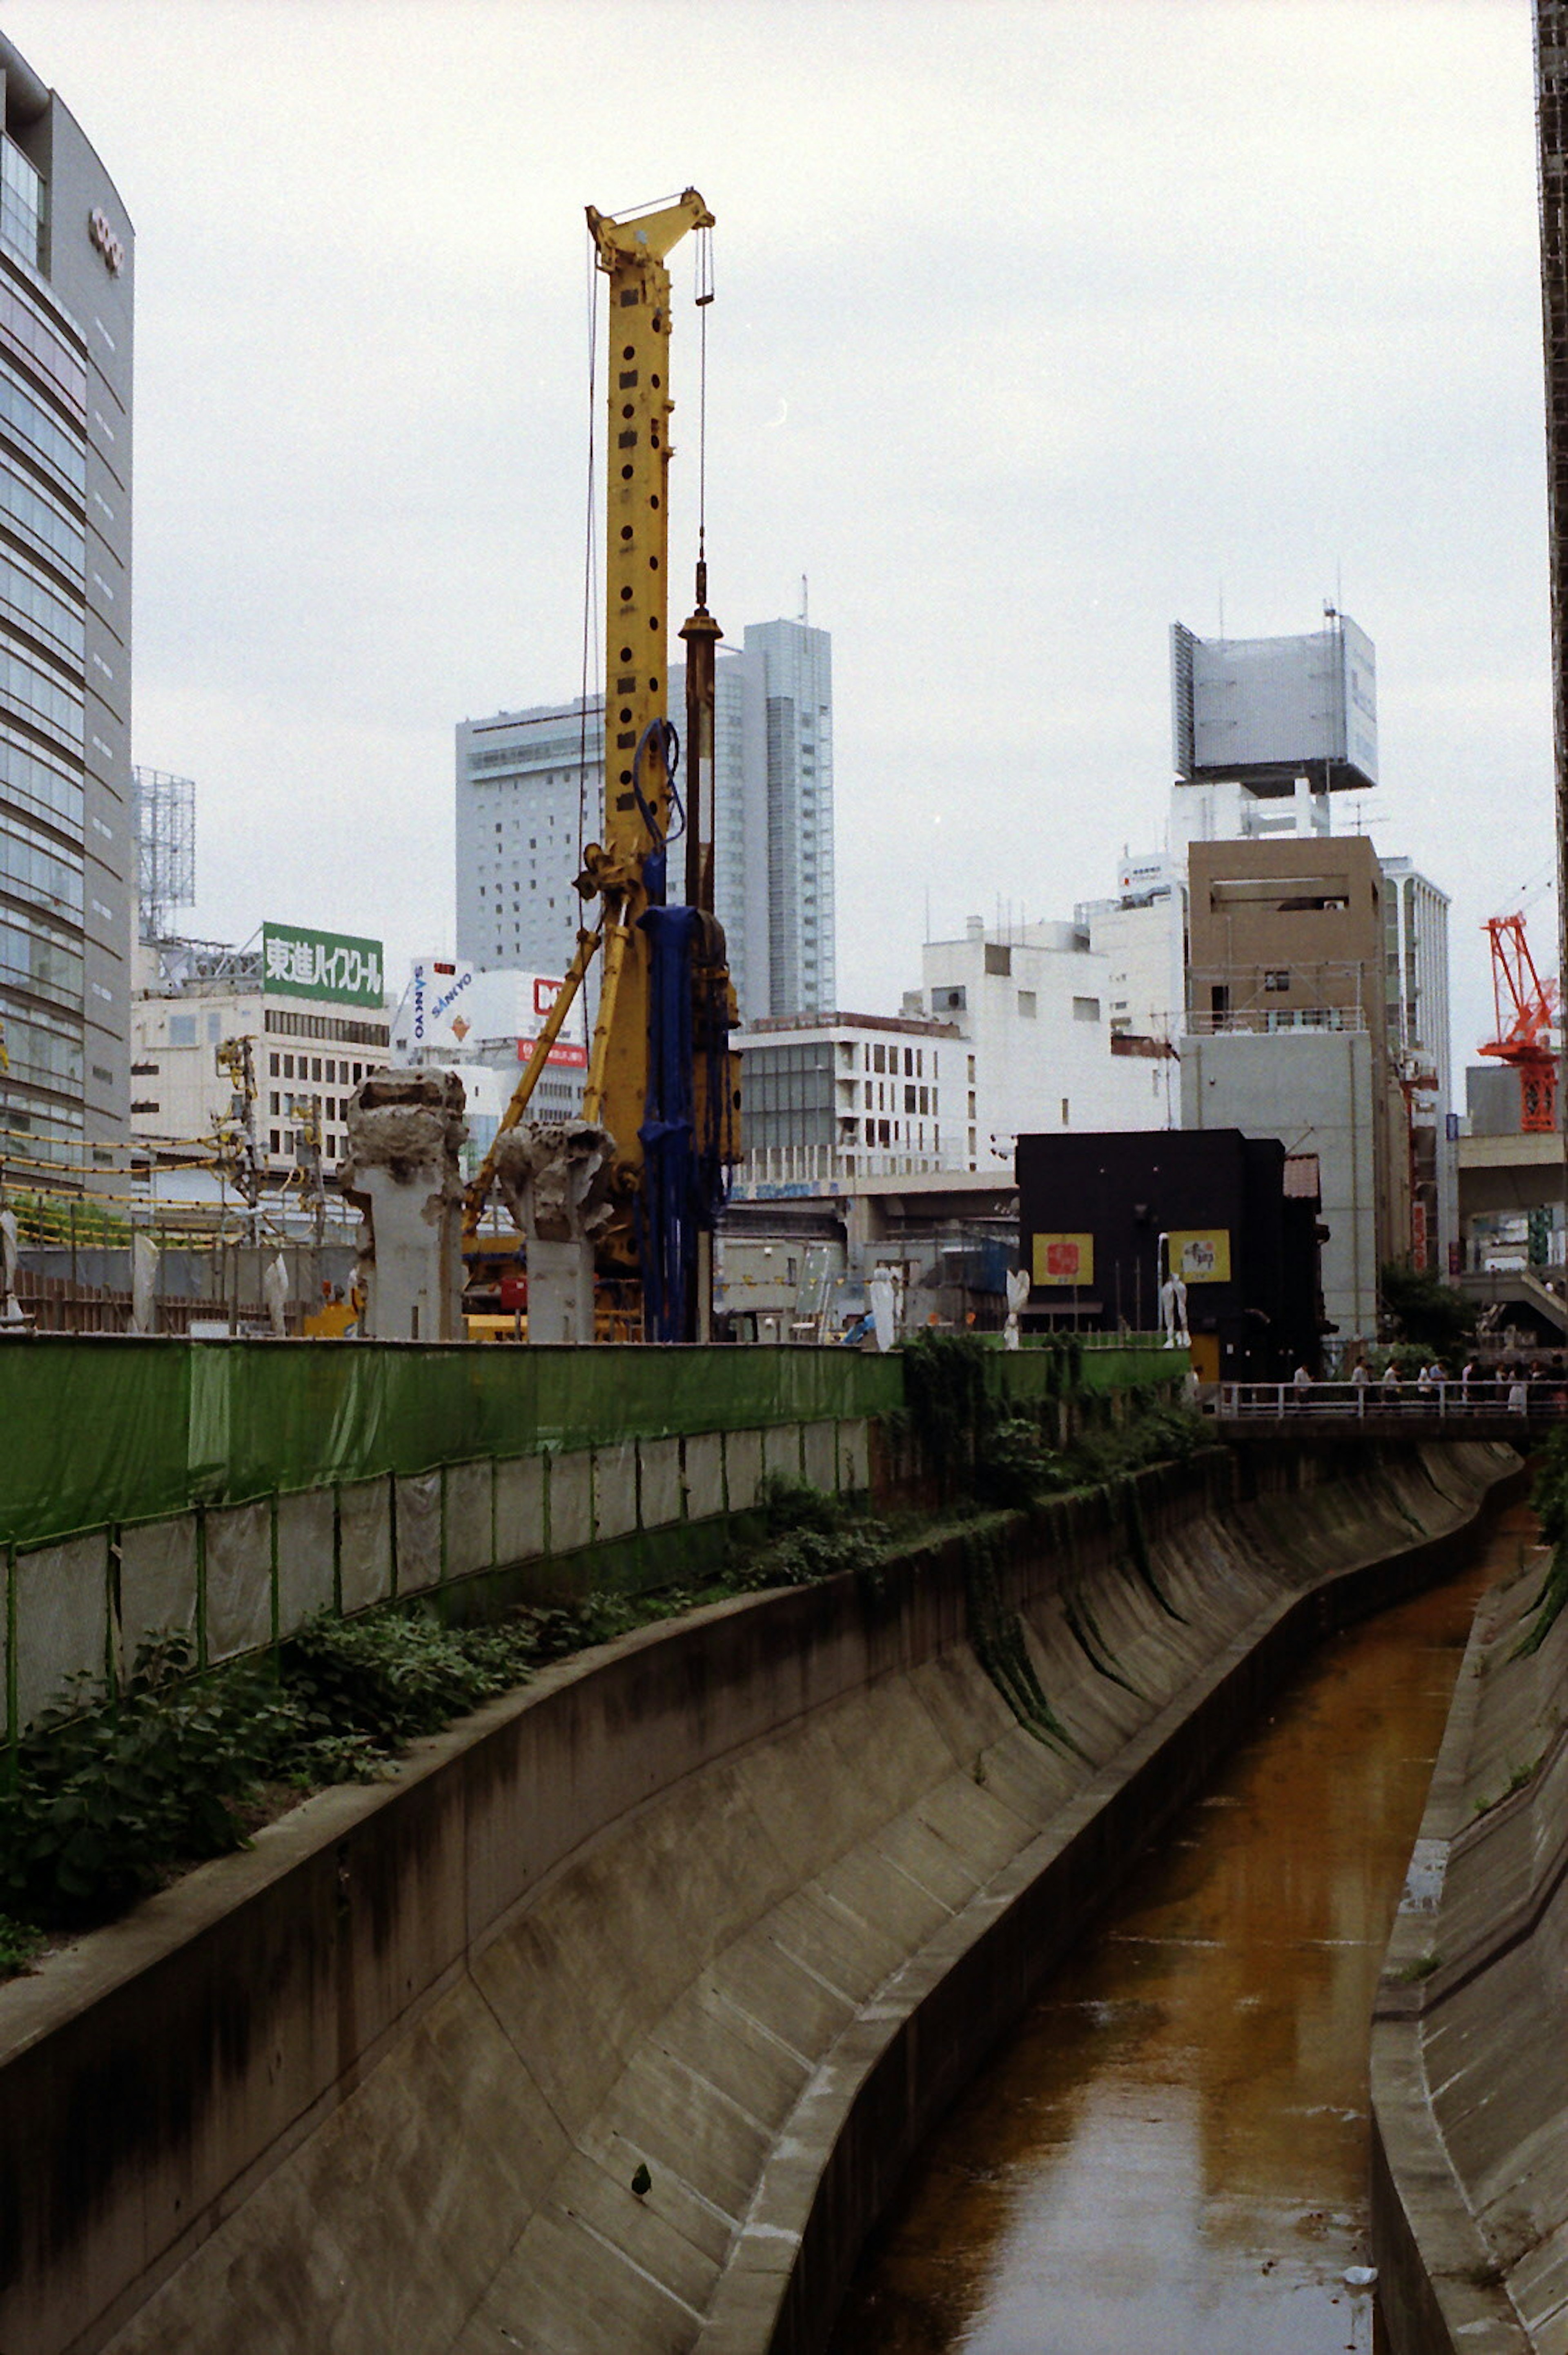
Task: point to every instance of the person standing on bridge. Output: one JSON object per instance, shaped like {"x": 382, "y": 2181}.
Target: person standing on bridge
{"x": 1390, "y": 1381}
{"x": 1301, "y": 1381}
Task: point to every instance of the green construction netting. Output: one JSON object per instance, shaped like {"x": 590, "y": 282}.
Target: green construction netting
{"x": 105, "y": 1430}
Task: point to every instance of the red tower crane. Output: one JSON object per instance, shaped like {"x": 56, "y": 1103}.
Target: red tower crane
{"x": 1526, "y": 1008}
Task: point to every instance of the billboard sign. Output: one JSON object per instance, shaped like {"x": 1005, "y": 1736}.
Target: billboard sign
{"x": 1062, "y": 1259}
{"x": 298, "y": 963}
{"x": 435, "y": 1008}
{"x": 1201, "y": 1254}
{"x": 540, "y": 991}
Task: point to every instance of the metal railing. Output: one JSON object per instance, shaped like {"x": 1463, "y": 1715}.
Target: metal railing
{"x": 1449, "y": 1401}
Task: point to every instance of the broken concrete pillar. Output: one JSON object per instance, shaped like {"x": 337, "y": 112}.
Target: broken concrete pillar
{"x": 402, "y": 1173}
{"x": 554, "y": 1179}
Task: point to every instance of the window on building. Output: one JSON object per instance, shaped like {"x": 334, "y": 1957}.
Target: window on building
{"x": 214, "y": 1029}
{"x": 971, "y": 1071}
{"x": 879, "y": 1059}
{"x": 1085, "y": 1009}
{"x": 1066, "y": 1110}
{"x": 997, "y": 958}
{"x": 272, "y": 1067}
{"x": 288, "y": 1067}
{"x": 275, "y": 1146}
{"x": 1029, "y": 1004}
{"x": 1277, "y": 977}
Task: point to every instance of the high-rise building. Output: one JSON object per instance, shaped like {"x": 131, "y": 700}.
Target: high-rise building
{"x": 1415, "y": 967}
{"x": 797, "y": 688}
{"x": 528, "y": 792}
{"x": 741, "y": 863}
{"x": 68, "y": 852}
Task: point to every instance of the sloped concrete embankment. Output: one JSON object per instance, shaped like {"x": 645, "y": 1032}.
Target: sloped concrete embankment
{"x": 741, "y": 1903}
{"x": 1469, "y": 2074}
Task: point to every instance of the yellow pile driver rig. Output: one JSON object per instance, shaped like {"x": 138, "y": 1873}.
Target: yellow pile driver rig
{"x": 622, "y": 1204}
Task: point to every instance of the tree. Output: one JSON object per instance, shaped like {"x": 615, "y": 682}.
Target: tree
{"x": 1423, "y": 1309}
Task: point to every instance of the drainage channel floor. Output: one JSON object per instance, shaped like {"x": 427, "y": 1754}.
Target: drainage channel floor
{"x": 1170, "y": 2155}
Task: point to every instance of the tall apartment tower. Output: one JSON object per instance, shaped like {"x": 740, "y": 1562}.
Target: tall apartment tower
{"x": 527, "y": 779}
{"x": 68, "y": 851}
{"x": 797, "y": 689}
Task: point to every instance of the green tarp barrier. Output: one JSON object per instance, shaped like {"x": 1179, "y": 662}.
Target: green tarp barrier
{"x": 110, "y": 1429}
{"x": 107, "y": 1429}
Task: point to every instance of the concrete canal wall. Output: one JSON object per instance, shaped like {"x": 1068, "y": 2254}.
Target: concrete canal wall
{"x": 1470, "y": 2033}
{"x": 741, "y": 1903}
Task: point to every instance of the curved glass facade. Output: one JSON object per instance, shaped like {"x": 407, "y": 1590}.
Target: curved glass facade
{"x": 66, "y": 873}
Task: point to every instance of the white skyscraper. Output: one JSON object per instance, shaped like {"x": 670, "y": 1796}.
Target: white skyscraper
{"x": 526, "y": 780}
{"x": 797, "y": 686}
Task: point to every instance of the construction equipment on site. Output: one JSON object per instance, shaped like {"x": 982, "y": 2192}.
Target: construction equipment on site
{"x": 1526, "y": 1011}
{"x": 624, "y": 1202}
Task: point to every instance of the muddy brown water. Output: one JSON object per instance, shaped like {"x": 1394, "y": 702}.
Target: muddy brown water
{"x": 1170, "y": 2157}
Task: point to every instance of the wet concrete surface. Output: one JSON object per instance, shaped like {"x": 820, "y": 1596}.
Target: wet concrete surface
{"x": 1170, "y": 2157}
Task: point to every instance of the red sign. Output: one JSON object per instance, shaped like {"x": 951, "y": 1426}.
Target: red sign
{"x": 1063, "y": 1259}
{"x": 564, "y": 1053}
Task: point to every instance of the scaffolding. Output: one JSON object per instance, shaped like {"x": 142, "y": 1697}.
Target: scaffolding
{"x": 164, "y": 809}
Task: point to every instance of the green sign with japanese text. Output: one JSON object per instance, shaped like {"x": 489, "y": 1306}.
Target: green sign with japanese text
{"x": 297, "y": 963}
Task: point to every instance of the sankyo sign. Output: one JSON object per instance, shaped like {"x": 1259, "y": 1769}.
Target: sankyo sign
{"x": 300, "y": 964}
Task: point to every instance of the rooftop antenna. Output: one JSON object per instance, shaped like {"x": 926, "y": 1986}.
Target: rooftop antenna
{"x": 804, "y": 602}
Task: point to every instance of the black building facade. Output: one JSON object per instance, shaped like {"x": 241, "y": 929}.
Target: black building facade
{"x": 1239, "y": 1220}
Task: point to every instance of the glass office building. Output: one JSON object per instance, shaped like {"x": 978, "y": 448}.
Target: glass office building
{"x": 66, "y": 847}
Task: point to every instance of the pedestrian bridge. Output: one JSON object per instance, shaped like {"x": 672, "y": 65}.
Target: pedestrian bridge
{"x": 1522, "y": 1413}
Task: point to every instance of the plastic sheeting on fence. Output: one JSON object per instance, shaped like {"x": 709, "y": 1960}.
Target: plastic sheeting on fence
{"x": 106, "y": 1429}
{"x": 109, "y": 1429}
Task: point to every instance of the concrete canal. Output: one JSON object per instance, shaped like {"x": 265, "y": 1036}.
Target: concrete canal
{"x": 1172, "y": 2152}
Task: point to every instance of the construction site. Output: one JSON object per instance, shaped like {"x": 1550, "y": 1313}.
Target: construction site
{"x": 566, "y": 1696}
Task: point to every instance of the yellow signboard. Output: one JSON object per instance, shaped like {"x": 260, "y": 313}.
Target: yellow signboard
{"x": 1201, "y": 1254}
{"x": 1063, "y": 1259}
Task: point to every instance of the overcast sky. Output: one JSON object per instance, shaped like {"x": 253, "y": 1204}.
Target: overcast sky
{"x": 1037, "y": 327}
